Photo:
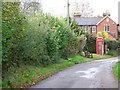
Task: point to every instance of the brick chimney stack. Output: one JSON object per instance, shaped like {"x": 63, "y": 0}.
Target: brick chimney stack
{"x": 77, "y": 11}
{"x": 77, "y": 14}
{"x": 107, "y": 13}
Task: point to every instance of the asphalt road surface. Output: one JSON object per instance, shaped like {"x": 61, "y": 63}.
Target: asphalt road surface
{"x": 95, "y": 74}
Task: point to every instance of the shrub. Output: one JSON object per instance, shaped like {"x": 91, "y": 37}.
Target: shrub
{"x": 116, "y": 70}
{"x": 43, "y": 40}
{"x": 46, "y": 39}
{"x": 113, "y": 53}
{"x": 90, "y": 43}
{"x": 13, "y": 24}
{"x": 112, "y": 44}
{"x": 103, "y": 34}
{"x": 76, "y": 41}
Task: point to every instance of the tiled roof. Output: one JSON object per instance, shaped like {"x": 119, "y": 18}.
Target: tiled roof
{"x": 87, "y": 20}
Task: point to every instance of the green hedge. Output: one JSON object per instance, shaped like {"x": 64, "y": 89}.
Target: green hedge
{"x": 112, "y": 44}
{"x": 90, "y": 43}
{"x": 116, "y": 71}
{"x": 113, "y": 53}
{"x": 42, "y": 39}
{"x": 12, "y": 26}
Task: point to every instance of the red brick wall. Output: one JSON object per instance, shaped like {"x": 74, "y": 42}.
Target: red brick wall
{"x": 111, "y": 23}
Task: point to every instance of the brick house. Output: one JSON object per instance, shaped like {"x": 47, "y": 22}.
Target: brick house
{"x": 93, "y": 25}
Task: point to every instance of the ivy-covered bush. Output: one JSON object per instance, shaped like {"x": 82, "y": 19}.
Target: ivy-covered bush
{"x": 90, "y": 43}
{"x": 13, "y": 24}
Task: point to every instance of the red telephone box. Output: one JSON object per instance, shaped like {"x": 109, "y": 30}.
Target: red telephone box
{"x": 100, "y": 46}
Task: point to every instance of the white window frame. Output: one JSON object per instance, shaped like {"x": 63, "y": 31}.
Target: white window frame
{"x": 106, "y": 28}
{"x": 93, "y": 28}
{"x": 85, "y": 28}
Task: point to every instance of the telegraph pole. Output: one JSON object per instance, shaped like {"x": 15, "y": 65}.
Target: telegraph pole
{"x": 68, "y": 16}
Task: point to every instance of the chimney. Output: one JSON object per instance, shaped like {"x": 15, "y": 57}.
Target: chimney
{"x": 106, "y": 13}
{"x": 77, "y": 14}
{"x": 76, "y": 11}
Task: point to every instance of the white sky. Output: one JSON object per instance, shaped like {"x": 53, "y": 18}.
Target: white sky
{"x": 59, "y": 7}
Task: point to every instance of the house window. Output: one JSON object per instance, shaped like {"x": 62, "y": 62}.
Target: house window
{"x": 93, "y": 28}
{"x": 107, "y": 28}
{"x": 85, "y": 28}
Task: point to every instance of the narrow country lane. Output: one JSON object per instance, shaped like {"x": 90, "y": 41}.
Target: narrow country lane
{"x": 95, "y": 74}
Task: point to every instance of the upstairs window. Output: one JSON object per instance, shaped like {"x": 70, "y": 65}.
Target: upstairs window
{"x": 107, "y": 28}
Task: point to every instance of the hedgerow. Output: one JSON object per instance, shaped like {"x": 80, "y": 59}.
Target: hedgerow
{"x": 42, "y": 39}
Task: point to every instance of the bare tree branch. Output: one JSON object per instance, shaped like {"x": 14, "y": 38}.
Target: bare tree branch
{"x": 84, "y": 9}
{"x": 30, "y": 7}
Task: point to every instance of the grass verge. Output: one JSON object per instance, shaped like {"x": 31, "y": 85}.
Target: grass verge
{"x": 27, "y": 75}
{"x": 116, "y": 71}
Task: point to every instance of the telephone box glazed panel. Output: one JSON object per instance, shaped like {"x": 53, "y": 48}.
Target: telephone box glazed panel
{"x": 100, "y": 46}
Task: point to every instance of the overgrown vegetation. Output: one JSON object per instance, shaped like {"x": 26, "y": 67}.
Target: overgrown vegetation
{"x": 113, "y": 47}
{"x": 112, "y": 44}
{"x": 27, "y": 75}
{"x": 113, "y": 53}
{"x": 90, "y": 43}
{"x": 34, "y": 45}
{"x": 41, "y": 40}
{"x": 12, "y": 25}
{"x": 103, "y": 34}
{"x": 116, "y": 70}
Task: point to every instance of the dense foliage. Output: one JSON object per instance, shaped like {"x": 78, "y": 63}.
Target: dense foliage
{"x": 113, "y": 53}
{"x": 45, "y": 39}
{"x": 12, "y": 26}
{"x": 90, "y": 44}
{"x": 103, "y": 34}
{"x": 42, "y": 39}
{"x": 112, "y": 44}
{"x": 113, "y": 47}
{"x": 116, "y": 71}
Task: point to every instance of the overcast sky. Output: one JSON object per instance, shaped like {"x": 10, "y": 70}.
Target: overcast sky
{"x": 58, "y": 7}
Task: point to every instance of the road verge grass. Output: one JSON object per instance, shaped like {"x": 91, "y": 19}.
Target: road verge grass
{"x": 27, "y": 75}
{"x": 116, "y": 71}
